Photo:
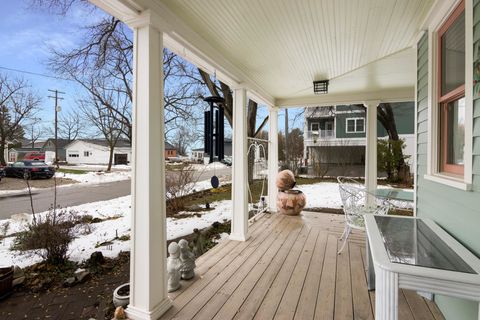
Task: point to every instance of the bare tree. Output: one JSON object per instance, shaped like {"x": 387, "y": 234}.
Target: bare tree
{"x": 17, "y": 104}
{"x": 34, "y": 130}
{"x": 184, "y": 138}
{"x": 107, "y": 51}
{"x": 71, "y": 125}
{"x": 96, "y": 108}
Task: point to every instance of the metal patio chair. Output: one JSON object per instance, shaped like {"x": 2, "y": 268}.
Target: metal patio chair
{"x": 354, "y": 200}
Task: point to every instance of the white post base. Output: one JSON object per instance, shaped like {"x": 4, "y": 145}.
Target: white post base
{"x": 136, "y": 313}
{"x": 239, "y": 237}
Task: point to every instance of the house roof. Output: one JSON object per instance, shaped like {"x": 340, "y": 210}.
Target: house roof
{"x": 121, "y": 143}
{"x": 168, "y": 146}
{"x": 26, "y": 149}
{"x": 37, "y": 144}
{"x": 62, "y": 143}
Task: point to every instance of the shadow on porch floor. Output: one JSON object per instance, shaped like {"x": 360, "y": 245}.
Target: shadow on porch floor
{"x": 288, "y": 269}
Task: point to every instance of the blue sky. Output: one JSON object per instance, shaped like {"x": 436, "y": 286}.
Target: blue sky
{"x": 28, "y": 33}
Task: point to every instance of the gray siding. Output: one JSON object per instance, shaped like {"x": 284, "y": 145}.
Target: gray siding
{"x": 457, "y": 211}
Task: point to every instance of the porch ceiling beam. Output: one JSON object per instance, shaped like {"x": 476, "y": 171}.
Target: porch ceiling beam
{"x": 387, "y": 95}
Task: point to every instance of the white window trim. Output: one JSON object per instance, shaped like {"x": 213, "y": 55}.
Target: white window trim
{"x": 355, "y": 119}
{"x": 312, "y": 123}
{"x": 433, "y": 173}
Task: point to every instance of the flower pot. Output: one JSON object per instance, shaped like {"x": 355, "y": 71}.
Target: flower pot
{"x": 291, "y": 202}
{"x": 121, "y": 295}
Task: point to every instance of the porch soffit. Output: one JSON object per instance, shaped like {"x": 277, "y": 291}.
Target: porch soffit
{"x": 280, "y": 47}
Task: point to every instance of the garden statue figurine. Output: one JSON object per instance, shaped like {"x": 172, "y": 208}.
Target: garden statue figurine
{"x": 188, "y": 260}
{"x": 173, "y": 267}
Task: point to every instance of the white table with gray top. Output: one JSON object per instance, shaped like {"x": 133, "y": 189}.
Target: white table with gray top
{"x": 416, "y": 254}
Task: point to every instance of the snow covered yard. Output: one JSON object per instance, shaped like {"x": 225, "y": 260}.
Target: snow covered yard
{"x": 104, "y": 236}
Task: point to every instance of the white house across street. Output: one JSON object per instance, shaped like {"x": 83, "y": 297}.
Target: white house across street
{"x": 97, "y": 151}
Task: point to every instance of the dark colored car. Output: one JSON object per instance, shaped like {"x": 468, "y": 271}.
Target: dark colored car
{"x": 2, "y": 173}
{"x": 30, "y": 170}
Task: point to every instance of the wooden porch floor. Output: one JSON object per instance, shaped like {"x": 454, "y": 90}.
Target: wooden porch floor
{"x": 288, "y": 269}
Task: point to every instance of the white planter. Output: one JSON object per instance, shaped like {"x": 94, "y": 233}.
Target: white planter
{"x": 120, "y": 299}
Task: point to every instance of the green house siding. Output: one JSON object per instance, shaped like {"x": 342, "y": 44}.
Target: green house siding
{"x": 403, "y": 112}
{"x": 457, "y": 211}
{"x": 341, "y": 123}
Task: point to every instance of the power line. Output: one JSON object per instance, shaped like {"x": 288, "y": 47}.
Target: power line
{"x": 35, "y": 73}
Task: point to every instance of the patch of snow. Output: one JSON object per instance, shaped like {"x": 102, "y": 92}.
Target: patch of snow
{"x": 321, "y": 195}
{"x": 96, "y": 177}
{"x": 208, "y": 167}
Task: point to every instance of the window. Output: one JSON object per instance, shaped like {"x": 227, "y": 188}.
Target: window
{"x": 73, "y": 155}
{"x": 86, "y": 153}
{"x": 355, "y": 125}
{"x": 451, "y": 93}
{"x": 314, "y": 126}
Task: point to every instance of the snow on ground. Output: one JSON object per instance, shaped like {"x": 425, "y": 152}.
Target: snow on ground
{"x": 98, "y": 167}
{"x": 96, "y": 177}
{"x": 209, "y": 167}
{"x": 321, "y": 195}
{"x": 89, "y": 237}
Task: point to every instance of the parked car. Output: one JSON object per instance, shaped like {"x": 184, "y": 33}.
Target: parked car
{"x": 35, "y": 156}
{"x": 30, "y": 170}
{"x": 2, "y": 173}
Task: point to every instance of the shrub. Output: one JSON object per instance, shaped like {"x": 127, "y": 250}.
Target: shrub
{"x": 179, "y": 184}
{"x": 49, "y": 236}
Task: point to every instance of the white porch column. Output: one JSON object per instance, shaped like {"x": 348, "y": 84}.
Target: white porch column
{"x": 239, "y": 167}
{"x": 272, "y": 159}
{"x": 371, "y": 148}
{"x": 148, "y": 289}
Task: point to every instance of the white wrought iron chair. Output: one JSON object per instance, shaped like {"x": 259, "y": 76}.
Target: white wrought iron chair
{"x": 354, "y": 200}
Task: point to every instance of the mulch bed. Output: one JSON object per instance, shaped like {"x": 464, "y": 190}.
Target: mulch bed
{"x": 91, "y": 299}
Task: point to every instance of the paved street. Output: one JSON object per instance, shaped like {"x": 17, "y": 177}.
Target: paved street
{"x": 75, "y": 195}
{"x": 66, "y": 196}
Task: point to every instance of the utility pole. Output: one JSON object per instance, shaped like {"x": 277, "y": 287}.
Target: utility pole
{"x": 57, "y": 110}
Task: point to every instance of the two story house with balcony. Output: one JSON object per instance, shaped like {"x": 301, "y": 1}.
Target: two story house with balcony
{"x": 336, "y": 134}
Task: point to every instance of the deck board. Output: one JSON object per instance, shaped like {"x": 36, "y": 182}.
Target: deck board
{"x": 288, "y": 269}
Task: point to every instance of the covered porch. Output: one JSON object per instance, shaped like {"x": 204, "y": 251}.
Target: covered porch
{"x": 270, "y": 53}
{"x": 288, "y": 269}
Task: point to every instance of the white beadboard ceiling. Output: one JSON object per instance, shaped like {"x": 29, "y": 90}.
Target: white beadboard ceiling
{"x": 284, "y": 45}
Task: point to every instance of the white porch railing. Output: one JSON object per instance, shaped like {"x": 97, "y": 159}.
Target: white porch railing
{"x": 320, "y": 134}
